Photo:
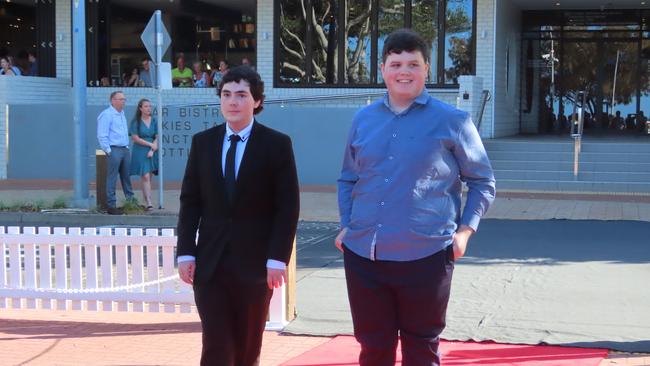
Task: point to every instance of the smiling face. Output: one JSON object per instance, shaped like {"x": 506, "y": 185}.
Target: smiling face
{"x": 238, "y": 104}
{"x": 4, "y": 63}
{"x": 404, "y": 74}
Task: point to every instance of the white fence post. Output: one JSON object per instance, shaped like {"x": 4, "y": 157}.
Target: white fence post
{"x": 90, "y": 256}
{"x": 121, "y": 264}
{"x": 152, "y": 269}
{"x": 137, "y": 266}
{"x": 168, "y": 268}
{"x": 76, "y": 266}
{"x": 30, "y": 264}
{"x": 3, "y": 269}
{"x": 60, "y": 266}
{"x": 15, "y": 279}
{"x": 45, "y": 265}
{"x": 106, "y": 264}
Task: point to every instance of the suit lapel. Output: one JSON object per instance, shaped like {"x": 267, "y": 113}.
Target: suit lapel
{"x": 217, "y": 154}
{"x": 247, "y": 165}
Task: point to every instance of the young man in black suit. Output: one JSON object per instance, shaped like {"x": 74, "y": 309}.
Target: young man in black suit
{"x": 240, "y": 190}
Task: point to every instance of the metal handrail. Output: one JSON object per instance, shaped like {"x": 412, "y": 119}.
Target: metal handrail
{"x": 485, "y": 97}
{"x": 577, "y": 127}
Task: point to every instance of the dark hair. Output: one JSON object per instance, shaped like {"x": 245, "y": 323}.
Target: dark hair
{"x": 114, "y": 93}
{"x": 250, "y": 76}
{"x": 138, "y": 115}
{"x": 405, "y": 40}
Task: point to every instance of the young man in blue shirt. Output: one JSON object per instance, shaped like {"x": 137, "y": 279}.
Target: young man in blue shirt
{"x": 406, "y": 158}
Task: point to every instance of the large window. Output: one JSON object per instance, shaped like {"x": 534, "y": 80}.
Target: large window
{"x": 27, "y": 37}
{"x": 202, "y": 31}
{"x": 340, "y": 42}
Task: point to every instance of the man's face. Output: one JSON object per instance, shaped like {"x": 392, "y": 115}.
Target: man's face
{"x": 118, "y": 101}
{"x": 237, "y": 103}
{"x": 180, "y": 64}
{"x": 404, "y": 75}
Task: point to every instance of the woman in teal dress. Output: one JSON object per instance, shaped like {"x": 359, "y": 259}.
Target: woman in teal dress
{"x": 144, "y": 156}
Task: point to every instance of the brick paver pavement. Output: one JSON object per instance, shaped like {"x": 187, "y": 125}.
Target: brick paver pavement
{"x": 52, "y": 337}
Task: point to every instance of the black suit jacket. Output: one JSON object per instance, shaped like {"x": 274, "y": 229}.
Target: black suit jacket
{"x": 261, "y": 222}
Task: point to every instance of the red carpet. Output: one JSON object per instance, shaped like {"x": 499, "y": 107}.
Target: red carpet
{"x": 344, "y": 350}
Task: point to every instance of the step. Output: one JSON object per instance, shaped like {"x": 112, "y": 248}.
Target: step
{"x": 618, "y": 177}
{"x": 530, "y": 156}
{"x": 568, "y": 146}
{"x": 572, "y": 186}
{"x": 568, "y": 166}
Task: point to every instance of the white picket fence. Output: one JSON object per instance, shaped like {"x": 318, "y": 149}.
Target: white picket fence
{"x": 98, "y": 269}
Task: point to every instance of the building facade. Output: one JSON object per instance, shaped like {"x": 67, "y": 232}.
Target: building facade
{"x": 532, "y": 57}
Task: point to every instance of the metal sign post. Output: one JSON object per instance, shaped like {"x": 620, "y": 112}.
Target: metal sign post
{"x": 80, "y": 199}
{"x": 156, "y": 39}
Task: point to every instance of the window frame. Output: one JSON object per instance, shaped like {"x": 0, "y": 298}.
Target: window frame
{"x": 374, "y": 34}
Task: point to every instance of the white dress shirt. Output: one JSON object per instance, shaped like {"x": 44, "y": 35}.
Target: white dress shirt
{"x": 244, "y": 134}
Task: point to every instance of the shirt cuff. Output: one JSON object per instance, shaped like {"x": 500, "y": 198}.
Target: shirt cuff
{"x": 273, "y": 264}
{"x": 185, "y": 258}
{"x": 471, "y": 221}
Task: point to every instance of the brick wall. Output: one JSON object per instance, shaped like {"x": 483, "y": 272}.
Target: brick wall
{"x": 63, "y": 39}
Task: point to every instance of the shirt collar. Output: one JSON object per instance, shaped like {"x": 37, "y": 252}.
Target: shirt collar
{"x": 422, "y": 99}
{"x": 115, "y": 110}
{"x": 244, "y": 134}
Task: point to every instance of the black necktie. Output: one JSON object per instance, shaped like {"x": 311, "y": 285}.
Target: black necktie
{"x": 229, "y": 175}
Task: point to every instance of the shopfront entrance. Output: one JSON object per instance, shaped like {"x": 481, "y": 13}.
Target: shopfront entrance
{"x": 601, "y": 54}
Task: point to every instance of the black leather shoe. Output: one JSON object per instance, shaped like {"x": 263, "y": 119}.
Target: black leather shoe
{"x": 114, "y": 211}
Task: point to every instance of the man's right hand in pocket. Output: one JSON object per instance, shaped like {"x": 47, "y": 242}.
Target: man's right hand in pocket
{"x": 186, "y": 271}
{"x": 338, "y": 242}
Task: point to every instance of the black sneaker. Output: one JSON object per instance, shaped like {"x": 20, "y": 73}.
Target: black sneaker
{"x": 114, "y": 211}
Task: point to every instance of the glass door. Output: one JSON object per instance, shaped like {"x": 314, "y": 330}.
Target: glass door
{"x": 607, "y": 72}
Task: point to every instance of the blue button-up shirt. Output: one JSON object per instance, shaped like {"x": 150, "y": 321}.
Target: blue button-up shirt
{"x": 112, "y": 129}
{"x": 401, "y": 181}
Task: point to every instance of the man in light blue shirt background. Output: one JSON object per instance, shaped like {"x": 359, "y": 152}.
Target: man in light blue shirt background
{"x": 113, "y": 137}
{"x": 402, "y": 229}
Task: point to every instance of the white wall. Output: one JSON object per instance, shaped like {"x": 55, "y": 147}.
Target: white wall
{"x": 26, "y": 90}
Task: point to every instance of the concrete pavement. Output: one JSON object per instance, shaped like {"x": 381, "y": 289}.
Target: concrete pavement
{"x": 46, "y": 337}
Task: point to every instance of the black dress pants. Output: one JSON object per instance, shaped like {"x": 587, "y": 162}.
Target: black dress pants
{"x": 390, "y": 298}
{"x": 233, "y": 315}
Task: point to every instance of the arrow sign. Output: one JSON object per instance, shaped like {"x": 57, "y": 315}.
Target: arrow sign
{"x": 152, "y": 37}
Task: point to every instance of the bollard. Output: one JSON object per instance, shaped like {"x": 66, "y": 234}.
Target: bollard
{"x": 100, "y": 179}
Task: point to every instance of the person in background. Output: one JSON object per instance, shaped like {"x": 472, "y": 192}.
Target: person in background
{"x": 246, "y": 62}
{"x": 199, "y": 77}
{"x": 134, "y": 78}
{"x": 144, "y": 156}
{"x": 148, "y": 73}
{"x": 181, "y": 75}
{"x": 6, "y": 68}
{"x": 218, "y": 74}
{"x": 113, "y": 137}
{"x": 402, "y": 229}
{"x": 33, "y": 64}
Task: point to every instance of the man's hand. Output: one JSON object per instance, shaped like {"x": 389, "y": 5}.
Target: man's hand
{"x": 275, "y": 277}
{"x": 338, "y": 242}
{"x": 186, "y": 271}
{"x": 460, "y": 240}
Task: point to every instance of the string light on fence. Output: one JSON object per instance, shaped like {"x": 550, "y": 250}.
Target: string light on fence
{"x": 101, "y": 289}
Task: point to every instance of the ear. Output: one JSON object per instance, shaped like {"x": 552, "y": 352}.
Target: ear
{"x": 257, "y": 104}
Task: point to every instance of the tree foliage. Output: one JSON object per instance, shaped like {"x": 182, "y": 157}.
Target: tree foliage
{"x": 357, "y": 26}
